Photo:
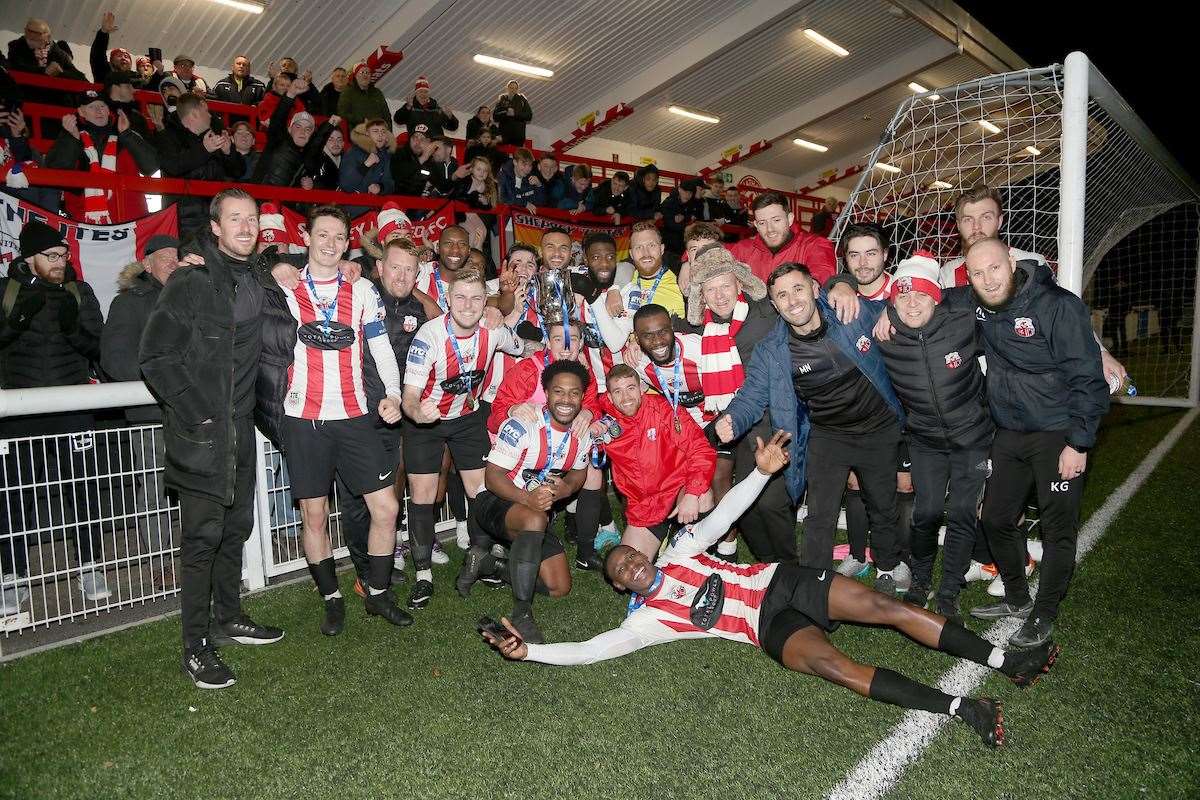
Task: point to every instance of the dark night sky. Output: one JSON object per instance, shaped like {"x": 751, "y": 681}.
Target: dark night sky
{"x": 1148, "y": 51}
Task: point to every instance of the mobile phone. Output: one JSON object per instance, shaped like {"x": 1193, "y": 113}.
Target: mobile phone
{"x": 156, "y": 54}
{"x": 490, "y": 626}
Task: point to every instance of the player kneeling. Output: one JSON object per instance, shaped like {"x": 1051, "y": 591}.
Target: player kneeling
{"x": 786, "y": 609}
{"x": 532, "y": 468}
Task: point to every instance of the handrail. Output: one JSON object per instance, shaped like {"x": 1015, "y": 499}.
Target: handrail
{"x": 82, "y": 397}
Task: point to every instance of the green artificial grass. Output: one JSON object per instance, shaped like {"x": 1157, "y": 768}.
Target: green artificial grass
{"x": 430, "y": 712}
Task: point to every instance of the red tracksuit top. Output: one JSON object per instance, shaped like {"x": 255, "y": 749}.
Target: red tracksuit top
{"x": 650, "y": 462}
{"x": 815, "y": 252}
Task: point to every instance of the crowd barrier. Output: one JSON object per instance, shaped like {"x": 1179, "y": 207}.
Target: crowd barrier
{"x": 87, "y": 508}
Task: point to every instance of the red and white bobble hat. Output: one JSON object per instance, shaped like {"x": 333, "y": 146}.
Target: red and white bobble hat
{"x": 271, "y": 228}
{"x": 918, "y": 273}
{"x": 391, "y": 221}
{"x": 422, "y": 83}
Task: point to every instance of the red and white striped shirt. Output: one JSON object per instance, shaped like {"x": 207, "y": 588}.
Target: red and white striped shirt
{"x": 434, "y": 364}
{"x": 328, "y": 384}
{"x": 954, "y": 271}
{"x": 884, "y": 292}
{"x": 599, "y": 360}
{"x": 687, "y": 354}
{"x": 523, "y": 449}
{"x": 431, "y": 281}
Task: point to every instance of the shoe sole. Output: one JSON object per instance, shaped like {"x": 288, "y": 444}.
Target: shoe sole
{"x": 1025, "y": 681}
{"x": 1020, "y": 614}
{"x": 495, "y": 583}
{"x": 250, "y": 640}
{"x": 418, "y": 604}
{"x": 1028, "y": 645}
{"x": 202, "y": 685}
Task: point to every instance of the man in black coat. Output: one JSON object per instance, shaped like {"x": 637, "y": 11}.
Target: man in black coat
{"x": 1047, "y": 394}
{"x": 932, "y": 360}
{"x": 412, "y": 165}
{"x": 36, "y": 52}
{"x": 49, "y": 336}
{"x": 291, "y": 145}
{"x": 102, "y": 60}
{"x": 239, "y": 86}
{"x": 512, "y": 113}
{"x": 200, "y": 356}
{"x": 422, "y": 113}
{"x": 188, "y": 148}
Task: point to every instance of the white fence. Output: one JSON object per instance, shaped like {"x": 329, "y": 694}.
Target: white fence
{"x": 86, "y": 529}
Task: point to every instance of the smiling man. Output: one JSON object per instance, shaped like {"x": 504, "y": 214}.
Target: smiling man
{"x": 781, "y": 240}
{"x": 786, "y": 610}
{"x": 535, "y": 467}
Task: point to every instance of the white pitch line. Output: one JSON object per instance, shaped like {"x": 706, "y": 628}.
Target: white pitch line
{"x": 881, "y": 768}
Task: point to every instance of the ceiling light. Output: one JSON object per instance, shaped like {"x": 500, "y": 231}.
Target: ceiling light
{"x": 244, "y": 5}
{"x": 832, "y": 47}
{"x": 1033, "y": 151}
{"x": 513, "y": 66}
{"x": 989, "y": 126}
{"x": 683, "y": 112}
{"x": 940, "y": 185}
{"x": 917, "y": 88}
{"x": 886, "y": 167}
{"x": 820, "y": 148}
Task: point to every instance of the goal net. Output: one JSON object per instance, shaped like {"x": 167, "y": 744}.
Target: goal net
{"x": 1084, "y": 184}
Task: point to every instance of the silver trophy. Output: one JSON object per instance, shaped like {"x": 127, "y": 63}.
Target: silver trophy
{"x": 555, "y": 299}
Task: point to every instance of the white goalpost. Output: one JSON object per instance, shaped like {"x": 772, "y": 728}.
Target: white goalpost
{"x": 1085, "y": 184}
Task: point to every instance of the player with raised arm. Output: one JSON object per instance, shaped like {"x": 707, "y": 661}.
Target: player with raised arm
{"x": 535, "y": 466}
{"x": 785, "y": 609}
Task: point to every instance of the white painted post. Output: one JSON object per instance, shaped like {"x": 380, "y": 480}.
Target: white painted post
{"x": 1073, "y": 172}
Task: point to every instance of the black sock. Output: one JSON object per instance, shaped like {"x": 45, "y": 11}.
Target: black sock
{"x": 892, "y": 687}
{"x": 587, "y": 519}
{"x": 606, "y": 517}
{"x": 904, "y": 507}
{"x": 456, "y": 496}
{"x": 477, "y": 536}
{"x": 420, "y": 534}
{"x": 857, "y": 524}
{"x": 324, "y": 576}
{"x": 962, "y": 643}
{"x": 525, "y": 559}
{"x": 380, "y": 571}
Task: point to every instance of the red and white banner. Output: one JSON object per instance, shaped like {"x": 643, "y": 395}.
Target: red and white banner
{"x": 98, "y": 252}
{"x": 528, "y": 229}
{"x": 381, "y": 61}
{"x": 422, "y": 232}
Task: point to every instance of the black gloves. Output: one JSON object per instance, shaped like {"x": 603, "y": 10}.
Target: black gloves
{"x": 29, "y": 303}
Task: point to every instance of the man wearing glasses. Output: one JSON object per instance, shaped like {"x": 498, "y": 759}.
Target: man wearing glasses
{"x": 49, "y": 336}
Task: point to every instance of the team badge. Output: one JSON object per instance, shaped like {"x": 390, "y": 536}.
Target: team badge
{"x": 678, "y": 593}
{"x": 652, "y": 434}
{"x": 1023, "y": 326}
{"x": 410, "y": 323}
{"x": 267, "y": 235}
{"x": 863, "y": 344}
{"x": 953, "y": 360}
{"x": 904, "y": 285}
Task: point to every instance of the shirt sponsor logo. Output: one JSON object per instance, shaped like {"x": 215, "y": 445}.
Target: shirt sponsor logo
{"x": 1023, "y": 326}
{"x": 953, "y": 360}
{"x": 417, "y": 352}
{"x": 511, "y": 432}
{"x": 410, "y": 323}
{"x": 863, "y": 344}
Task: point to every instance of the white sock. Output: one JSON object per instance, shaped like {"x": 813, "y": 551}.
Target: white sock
{"x": 425, "y": 575}
{"x": 954, "y": 705}
{"x": 373, "y": 591}
{"x": 337, "y": 593}
{"x": 996, "y": 658}
{"x": 727, "y": 548}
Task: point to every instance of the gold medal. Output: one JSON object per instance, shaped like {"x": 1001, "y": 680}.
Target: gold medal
{"x": 678, "y": 427}
{"x": 470, "y": 402}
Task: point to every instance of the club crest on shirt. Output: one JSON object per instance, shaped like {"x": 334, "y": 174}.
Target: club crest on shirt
{"x": 511, "y": 432}
{"x": 1023, "y": 326}
{"x": 953, "y": 360}
{"x": 409, "y": 323}
{"x": 417, "y": 352}
{"x": 863, "y": 344}
{"x": 678, "y": 593}
{"x": 904, "y": 285}
{"x": 267, "y": 235}
{"x": 652, "y": 433}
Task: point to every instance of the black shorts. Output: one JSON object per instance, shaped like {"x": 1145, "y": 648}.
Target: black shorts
{"x": 424, "y": 444}
{"x": 488, "y": 512}
{"x": 903, "y": 460}
{"x": 316, "y": 449}
{"x": 797, "y": 598}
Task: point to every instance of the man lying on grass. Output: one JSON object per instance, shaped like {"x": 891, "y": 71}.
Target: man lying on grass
{"x": 786, "y": 609}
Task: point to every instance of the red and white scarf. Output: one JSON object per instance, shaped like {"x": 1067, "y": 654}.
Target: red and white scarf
{"x": 95, "y": 200}
{"x": 721, "y": 372}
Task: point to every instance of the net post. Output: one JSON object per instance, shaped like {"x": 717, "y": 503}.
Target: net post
{"x": 256, "y": 555}
{"x": 1073, "y": 172}
{"x": 1194, "y": 378}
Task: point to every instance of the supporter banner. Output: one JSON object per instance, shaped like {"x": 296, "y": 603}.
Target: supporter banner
{"x": 426, "y": 231}
{"x": 527, "y": 229}
{"x": 98, "y": 252}
{"x": 381, "y": 61}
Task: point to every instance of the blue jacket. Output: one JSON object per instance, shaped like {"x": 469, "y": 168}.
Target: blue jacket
{"x": 354, "y": 177}
{"x": 513, "y": 195}
{"x": 769, "y": 386}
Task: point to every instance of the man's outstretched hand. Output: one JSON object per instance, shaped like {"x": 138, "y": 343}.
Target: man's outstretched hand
{"x": 771, "y": 457}
{"x": 511, "y": 647}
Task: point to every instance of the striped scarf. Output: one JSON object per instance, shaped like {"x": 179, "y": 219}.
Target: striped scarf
{"x": 721, "y": 373}
{"x": 95, "y": 200}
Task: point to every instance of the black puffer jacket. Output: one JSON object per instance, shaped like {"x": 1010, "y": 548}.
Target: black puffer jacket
{"x": 1044, "y": 370}
{"x": 250, "y": 94}
{"x": 430, "y": 119}
{"x": 935, "y": 372}
{"x": 137, "y": 292}
{"x": 278, "y": 352}
{"x": 50, "y": 338}
{"x": 283, "y": 163}
{"x": 183, "y": 155}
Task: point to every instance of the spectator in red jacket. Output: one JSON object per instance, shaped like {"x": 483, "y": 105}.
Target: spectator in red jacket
{"x": 781, "y": 240}
{"x": 661, "y": 461}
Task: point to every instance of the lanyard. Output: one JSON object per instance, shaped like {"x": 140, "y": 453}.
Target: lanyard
{"x": 548, "y": 440}
{"x": 636, "y": 601}
{"x": 462, "y": 368}
{"x": 676, "y": 389}
{"x": 649, "y": 298}
{"x": 442, "y": 300}
{"x": 328, "y": 313}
